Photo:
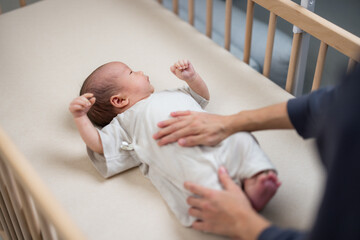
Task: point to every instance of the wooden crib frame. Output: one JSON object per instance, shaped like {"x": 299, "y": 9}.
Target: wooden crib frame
{"x": 328, "y": 33}
{"x": 29, "y": 211}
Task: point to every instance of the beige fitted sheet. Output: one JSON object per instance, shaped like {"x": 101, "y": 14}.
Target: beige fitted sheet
{"x": 46, "y": 51}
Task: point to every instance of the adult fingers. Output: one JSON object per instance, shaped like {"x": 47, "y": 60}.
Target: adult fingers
{"x": 181, "y": 113}
{"x": 175, "y": 135}
{"x": 196, "y": 202}
{"x": 169, "y": 127}
{"x": 198, "y": 189}
{"x": 226, "y": 181}
{"x": 195, "y": 212}
{"x": 200, "y": 225}
{"x": 167, "y": 122}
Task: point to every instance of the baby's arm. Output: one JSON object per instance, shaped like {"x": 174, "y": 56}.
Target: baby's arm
{"x": 79, "y": 107}
{"x": 184, "y": 70}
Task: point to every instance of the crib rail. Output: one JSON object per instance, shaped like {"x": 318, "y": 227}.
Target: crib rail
{"x": 328, "y": 33}
{"x": 27, "y": 208}
{"x": 21, "y": 2}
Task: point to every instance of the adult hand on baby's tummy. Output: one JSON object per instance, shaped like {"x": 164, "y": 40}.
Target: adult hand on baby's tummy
{"x": 81, "y": 105}
{"x": 184, "y": 70}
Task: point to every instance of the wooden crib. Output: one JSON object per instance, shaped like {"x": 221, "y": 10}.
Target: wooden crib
{"x": 50, "y": 190}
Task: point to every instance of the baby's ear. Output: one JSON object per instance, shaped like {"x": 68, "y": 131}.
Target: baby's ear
{"x": 119, "y": 101}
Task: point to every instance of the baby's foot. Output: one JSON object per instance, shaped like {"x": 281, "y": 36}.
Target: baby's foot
{"x": 261, "y": 188}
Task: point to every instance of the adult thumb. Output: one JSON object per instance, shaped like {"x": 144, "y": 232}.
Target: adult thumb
{"x": 226, "y": 181}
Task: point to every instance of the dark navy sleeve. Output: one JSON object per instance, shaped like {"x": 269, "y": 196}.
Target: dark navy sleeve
{"x": 337, "y": 131}
{"x": 275, "y": 233}
{"x": 306, "y": 112}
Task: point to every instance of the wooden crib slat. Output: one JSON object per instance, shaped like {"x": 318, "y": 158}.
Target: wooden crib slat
{"x": 15, "y": 200}
{"x": 269, "y": 44}
{"x": 30, "y": 214}
{"x": 4, "y": 232}
{"x": 209, "y": 9}
{"x": 351, "y": 65}
{"x": 160, "y": 1}
{"x": 319, "y": 66}
{"x": 227, "y": 36}
{"x": 293, "y": 60}
{"x": 22, "y": 3}
{"x": 27, "y": 177}
{"x": 6, "y": 215}
{"x": 248, "y": 30}
{"x": 3, "y": 219}
{"x": 334, "y": 36}
{"x": 176, "y": 7}
{"x": 191, "y": 12}
{"x": 1, "y": 225}
{"x": 9, "y": 205}
{"x": 45, "y": 229}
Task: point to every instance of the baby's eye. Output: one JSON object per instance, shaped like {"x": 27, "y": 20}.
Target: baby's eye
{"x": 130, "y": 72}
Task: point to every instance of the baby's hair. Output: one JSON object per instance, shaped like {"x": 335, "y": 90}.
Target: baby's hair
{"x": 103, "y": 87}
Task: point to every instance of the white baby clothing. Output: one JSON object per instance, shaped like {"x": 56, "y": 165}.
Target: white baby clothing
{"x": 127, "y": 142}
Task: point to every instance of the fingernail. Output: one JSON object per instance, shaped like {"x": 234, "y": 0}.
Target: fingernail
{"x": 222, "y": 170}
{"x": 181, "y": 141}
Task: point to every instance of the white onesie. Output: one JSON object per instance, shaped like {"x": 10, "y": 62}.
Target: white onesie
{"x": 127, "y": 142}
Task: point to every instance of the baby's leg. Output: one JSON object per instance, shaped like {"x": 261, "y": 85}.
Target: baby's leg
{"x": 261, "y": 188}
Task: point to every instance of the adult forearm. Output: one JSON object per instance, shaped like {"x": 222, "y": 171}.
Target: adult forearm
{"x": 271, "y": 117}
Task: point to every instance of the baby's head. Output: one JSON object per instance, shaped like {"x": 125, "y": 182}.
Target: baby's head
{"x": 116, "y": 88}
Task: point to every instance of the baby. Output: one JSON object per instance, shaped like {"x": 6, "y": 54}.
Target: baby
{"x": 123, "y": 103}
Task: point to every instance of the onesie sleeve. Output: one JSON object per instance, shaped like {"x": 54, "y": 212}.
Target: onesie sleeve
{"x": 118, "y": 156}
{"x": 199, "y": 99}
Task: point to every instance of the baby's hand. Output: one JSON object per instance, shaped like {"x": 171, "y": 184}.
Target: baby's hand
{"x": 184, "y": 70}
{"x": 81, "y": 105}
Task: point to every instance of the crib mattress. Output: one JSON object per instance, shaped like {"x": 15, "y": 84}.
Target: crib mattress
{"x": 49, "y": 48}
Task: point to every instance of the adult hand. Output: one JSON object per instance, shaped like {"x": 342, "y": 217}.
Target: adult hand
{"x": 226, "y": 212}
{"x": 192, "y": 128}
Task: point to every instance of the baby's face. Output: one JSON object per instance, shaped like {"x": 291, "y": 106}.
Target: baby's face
{"x": 134, "y": 83}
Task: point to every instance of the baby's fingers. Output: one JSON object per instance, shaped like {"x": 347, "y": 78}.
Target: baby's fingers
{"x": 182, "y": 64}
{"x": 87, "y": 95}
{"x": 87, "y": 99}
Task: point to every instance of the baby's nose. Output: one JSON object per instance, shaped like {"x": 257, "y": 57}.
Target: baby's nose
{"x": 141, "y": 72}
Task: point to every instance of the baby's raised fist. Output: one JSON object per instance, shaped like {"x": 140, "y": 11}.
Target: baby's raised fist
{"x": 184, "y": 70}
{"x": 81, "y": 105}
